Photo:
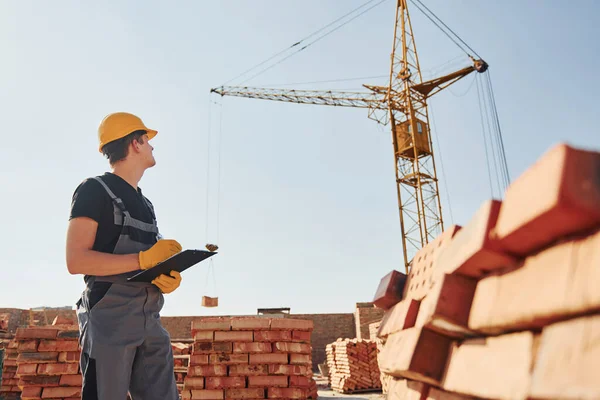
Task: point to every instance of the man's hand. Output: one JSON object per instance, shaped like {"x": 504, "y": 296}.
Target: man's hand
{"x": 167, "y": 284}
{"x": 161, "y": 250}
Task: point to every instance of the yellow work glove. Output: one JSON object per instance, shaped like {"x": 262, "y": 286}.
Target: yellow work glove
{"x": 161, "y": 250}
{"x": 167, "y": 284}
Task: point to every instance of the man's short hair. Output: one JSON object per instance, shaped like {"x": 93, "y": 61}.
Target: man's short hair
{"x": 118, "y": 149}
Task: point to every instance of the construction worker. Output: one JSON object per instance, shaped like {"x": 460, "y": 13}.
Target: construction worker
{"x": 112, "y": 235}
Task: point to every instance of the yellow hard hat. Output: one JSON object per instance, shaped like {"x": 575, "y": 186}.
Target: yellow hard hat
{"x": 118, "y": 125}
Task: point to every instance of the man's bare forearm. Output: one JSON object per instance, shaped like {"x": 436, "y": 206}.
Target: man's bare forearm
{"x": 90, "y": 262}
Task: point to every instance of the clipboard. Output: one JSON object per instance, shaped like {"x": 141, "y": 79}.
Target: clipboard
{"x": 179, "y": 262}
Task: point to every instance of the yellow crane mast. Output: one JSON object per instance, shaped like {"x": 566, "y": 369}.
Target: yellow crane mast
{"x": 402, "y": 104}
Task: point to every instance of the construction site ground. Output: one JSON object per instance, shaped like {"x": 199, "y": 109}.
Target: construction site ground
{"x": 325, "y": 392}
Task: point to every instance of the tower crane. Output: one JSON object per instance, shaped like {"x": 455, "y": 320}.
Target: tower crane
{"x": 403, "y": 105}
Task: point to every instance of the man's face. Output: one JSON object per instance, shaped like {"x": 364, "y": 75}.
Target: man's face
{"x": 145, "y": 152}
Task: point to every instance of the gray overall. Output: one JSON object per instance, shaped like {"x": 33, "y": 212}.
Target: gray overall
{"x": 124, "y": 347}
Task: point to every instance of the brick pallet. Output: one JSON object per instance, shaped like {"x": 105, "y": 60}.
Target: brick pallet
{"x": 383, "y": 377}
{"x": 508, "y": 306}
{"x": 353, "y": 365}
{"x": 48, "y": 362}
{"x": 9, "y": 388}
{"x": 250, "y": 358}
{"x": 181, "y": 362}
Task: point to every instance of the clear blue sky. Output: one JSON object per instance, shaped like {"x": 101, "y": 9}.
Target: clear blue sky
{"x": 308, "y": 210}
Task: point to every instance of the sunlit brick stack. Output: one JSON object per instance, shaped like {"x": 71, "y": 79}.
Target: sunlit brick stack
{"x": 48, "y": 362}
{"x": 250, "y": 358}
{"x": 383, "y": 377}
{"x": 9, "y": 389}
{"x": 181, "y": 362}
{"x": 353, "y": 365}
{"x": 508, "y": 305}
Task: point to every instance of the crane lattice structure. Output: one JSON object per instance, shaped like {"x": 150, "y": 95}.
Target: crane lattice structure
{"x": 403, "y": 105}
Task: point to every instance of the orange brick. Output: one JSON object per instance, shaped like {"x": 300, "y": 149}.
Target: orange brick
{"x": 58, "y": 345}
{"x": 272, "y": 336}
{"x": 248, "y": 370}
{"x": 228, "y": 358}
{"x": 223, "y": 382}
{"x": 47, "y": 357}
{"x": 35, "y": 380}
{"x": 193, "y": 382}
{"x": 57, "y": 369}
{"x": 28, "y": 345}
{"x": 205, "y": 394}
{"x": 557, "y": 196}
{"x": 401, "y": 316}
{"x": 204, "y": 336}
{"x": 249, "y": 393}
{"x": 415, "y": 353}
{"x": 198, "y": 359}
{"x": 234, "y": 336}
{"x": 212, "y": 347}
{"x": 55, "y": 392}
{"x": 438, "y": 394}
{"x": 554, "y": 284}
{"x": 286, "y": 393}
{"x": 68, "y": 334}
{"x": 289, "y": 347}
{"x": 390, "y": 289}
{"x": 69, "y": 356}
{"x": 250, "y": 323}
{"x": 27, "y": 369}
{"x": 252, "y": 347}
{"x": 211, "y": 324}
{"x": 473, "y": 251}
{"x": 71, "y": 380}
{"x": 403, "y": 389}
{"x": 301, "y": 336}
{"x": 208, "y": 370}
{"x": 446, "y": 307}
{"x": 275, "y": 358}
{"x": 266, "y": 381}
{"x": 493, "y": 367}
{"x": 31, "y": 392}
{"x": 424, "y": 263}
{"x": 300, "y": 359}
{"x": 35, "y": 333}
{"x": 291, "y": 324}
{"x": 288, "y": 369}
{"x": 300, "y": 381}
{"x": 567, "y": 359}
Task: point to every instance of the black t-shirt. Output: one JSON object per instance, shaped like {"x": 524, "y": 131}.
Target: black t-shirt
{"x": 91, "y": 200}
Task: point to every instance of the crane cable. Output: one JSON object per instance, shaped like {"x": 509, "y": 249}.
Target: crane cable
{"x": 298, "y": 43}
{"x": 463, "y": 48}
{"x": 487, "y": 104}
{"x": 211, "y": 269}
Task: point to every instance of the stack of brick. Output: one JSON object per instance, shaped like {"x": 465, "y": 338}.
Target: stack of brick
{"x": 383, "y": 377}
{"x": 354, "y": 365}
{"x": 250, "y": 358}
{"x": 9, "y": 388}
{"x": 181, "y": 362}
{"x": 508, "y": 306}
{"x": 48, "y": 362}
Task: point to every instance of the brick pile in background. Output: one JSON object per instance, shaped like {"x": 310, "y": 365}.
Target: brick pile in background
{"x": 9, "y": 388}
{"x": 508, "y": 306}
{"x": 48, "y": 362}
{"x": 383, "y": 377}
{"x": 353, "y": 365}
{"x": 181, "y": 362}
{"x": 250, "y": 358}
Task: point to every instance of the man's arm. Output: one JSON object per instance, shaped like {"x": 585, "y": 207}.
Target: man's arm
{"x": 81, "y": 259}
